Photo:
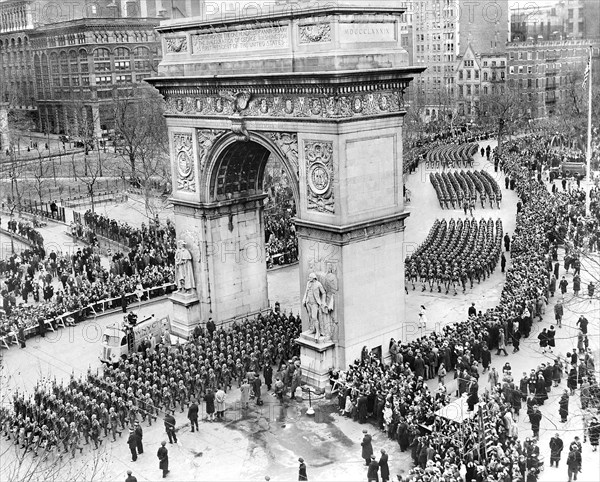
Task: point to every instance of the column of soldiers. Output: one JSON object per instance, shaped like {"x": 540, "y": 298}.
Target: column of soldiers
{"x": 455, "y": 253}
{"x": 164, "y": 379}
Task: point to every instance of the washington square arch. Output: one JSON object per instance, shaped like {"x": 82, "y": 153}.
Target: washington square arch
{"x": 321, "y": 88}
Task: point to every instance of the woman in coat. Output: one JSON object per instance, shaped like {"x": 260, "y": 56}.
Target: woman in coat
{"x": 541, "y": 395}
{"x": 572, "y": 380}
{"x": 557, "y": 369}
{"x": 563, "y": 406}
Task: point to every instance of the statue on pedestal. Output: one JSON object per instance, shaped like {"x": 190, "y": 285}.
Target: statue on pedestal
{"x": 184, "y": 270}
{"x": 319, "y": 306}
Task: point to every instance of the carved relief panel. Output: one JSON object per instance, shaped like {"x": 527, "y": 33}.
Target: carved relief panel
{"x": 206, "y": 138}
{"x": 184, "y": 162}
{"x": 315, "y": 33}
{"x": 288, "y": 143}
{"x": 176, "y": 45}
{"x": 319, "y": 176}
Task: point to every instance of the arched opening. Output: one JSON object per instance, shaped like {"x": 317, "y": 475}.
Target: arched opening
{"x": 246, "y": 169}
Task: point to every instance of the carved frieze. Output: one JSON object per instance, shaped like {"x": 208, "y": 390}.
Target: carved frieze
{"x": 292, "y": 105}
{"x": 176, "y": 44}
{"x": 206, "y": 139}
{"x": 186, "y": 175}
{"x": 319, "y": 176}
{"x": 320, "y": 32}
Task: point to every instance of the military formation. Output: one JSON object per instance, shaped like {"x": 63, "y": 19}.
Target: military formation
{"x": 451, "y": 155}
{"x": 62, "y": 419}
{"x": 454, "y": 254}
{"x": 462, "y": 189}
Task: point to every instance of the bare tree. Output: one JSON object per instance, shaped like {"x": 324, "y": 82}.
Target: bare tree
{"x": 89, "y": 175}
{"x": 40, "y": 176}
{"x": 507, "y": 106}
{"x": 140, "y": 127}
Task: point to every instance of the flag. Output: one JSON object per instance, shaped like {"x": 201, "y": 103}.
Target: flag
{"x": 587, "y": 72}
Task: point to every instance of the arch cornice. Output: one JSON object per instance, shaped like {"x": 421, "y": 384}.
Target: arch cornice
{"x": 322, "y": 95}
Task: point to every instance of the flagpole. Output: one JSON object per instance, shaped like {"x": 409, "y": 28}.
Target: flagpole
{"x": 588, "y": 179}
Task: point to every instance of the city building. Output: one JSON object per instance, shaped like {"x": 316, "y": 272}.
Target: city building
{"x": 478, "y": 75}
{"x": 81, "y": 63}
{"x": 17, "y": 86}
{"x": 566, "y": 19}
{"x": 543, "y": 70}
{"x": 443, "y": 30}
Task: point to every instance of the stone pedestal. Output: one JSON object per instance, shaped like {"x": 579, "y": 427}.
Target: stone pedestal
{"x": 317, "y": 356}
{"x": 186, "y": 314}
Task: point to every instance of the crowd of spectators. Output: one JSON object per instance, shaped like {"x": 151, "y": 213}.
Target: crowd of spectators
{"x": 27, "y": 231}
{"x": 280, "y": 233}
{"x": 76, "y": 283}
{"x": 128, "y": 235}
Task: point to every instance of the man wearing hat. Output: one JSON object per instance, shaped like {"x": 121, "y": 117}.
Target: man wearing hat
{"x": 163, "y": 457}
{"x": 130, "y": 478}
{"x": 302, "y": 470}
{"x": 367, "y": 447}
{"x": 372, "y": 472}
{"x": 535, "y": 417}
{"x": 133, "y": 443}
{"x": 556, "y": 447}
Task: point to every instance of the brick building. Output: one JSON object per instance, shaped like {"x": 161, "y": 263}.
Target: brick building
{"x": 541, "y": 70}
{"x": 79, "y": 64}
{"x": 478, "y": 75}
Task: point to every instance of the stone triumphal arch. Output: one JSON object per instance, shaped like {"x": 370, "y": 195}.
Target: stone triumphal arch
{"x": 321, "y": 89}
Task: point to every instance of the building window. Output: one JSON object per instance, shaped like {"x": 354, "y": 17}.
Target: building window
{"x": 85, "y": 80}
{"x": 485, "y": 76}
{"x": 468, "y": 90}
{"x": 502, "y": 76}
{"x": 476, "y": 74}
{"x": 121, "y": 79}
{"x": 460, "y": 75}
{"x": 485, "y": 89}
{"x": 468, "y": 75}
{"x": 105, "y": 79}
{"x": 121, "y": 53}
